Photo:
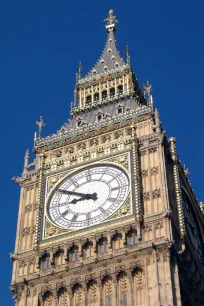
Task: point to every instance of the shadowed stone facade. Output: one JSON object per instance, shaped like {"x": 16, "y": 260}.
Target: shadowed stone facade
{"x": 148, "y": 251}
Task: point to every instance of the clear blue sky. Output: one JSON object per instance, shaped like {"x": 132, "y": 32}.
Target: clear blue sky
{"x": 41, "y": 43}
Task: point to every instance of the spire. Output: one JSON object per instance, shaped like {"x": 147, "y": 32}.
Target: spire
{"x": 110, "y": 79}
{"x": 110, "y": 58}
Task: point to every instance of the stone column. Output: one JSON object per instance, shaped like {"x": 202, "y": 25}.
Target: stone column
{"x": 85, "y": 294}
{"x": 114, "y": 288}
{"x": 100, "y": 292}
{"x": 130, "y": 289}
{"x": 54, "y": 297}
{"x": 69, "y": 291}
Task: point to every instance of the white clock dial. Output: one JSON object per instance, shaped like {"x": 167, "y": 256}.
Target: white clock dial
{"x": 88, "y": 196}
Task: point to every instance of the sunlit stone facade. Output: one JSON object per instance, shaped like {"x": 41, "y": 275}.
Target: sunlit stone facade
{"x": 107, "y": 216}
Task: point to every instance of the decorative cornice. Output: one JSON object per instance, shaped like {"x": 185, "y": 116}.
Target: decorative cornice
{"x": 71, "y": 136}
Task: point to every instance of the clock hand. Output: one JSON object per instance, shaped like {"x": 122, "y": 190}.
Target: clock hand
{"x": 74, "y": 201}
{"x": 85, "y": 197}
{"x": 72, "y": 193}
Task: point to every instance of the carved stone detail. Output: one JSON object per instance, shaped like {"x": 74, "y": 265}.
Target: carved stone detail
{"x": 146, "y": 196}
{"x": 156, "y": 193}
{"x": 154, "y": 171}
{"x": 26, "y": 231}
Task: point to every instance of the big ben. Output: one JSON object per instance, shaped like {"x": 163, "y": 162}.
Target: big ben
{"x": 107, "y": 215}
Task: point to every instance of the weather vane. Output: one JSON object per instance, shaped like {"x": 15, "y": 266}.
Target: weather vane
{"x": 111, "y": 19}
{"x": 40, "y": 125}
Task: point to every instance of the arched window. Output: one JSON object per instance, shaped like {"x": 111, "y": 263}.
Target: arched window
{"x": 102, "y": 246}
{"x": 120, "y": 89}
{"x": 45, "y": 262}
{"x": 88, "y": 250}
{"x": 74, "y": 254}
{"x": 117, "y": 242}
{"x": 100, "y": 117}
{"x": 88, "y": 99}
{"x": 104, "y": 94}
{"x": 131, "y": 237}
{"x": 124, "y": 300}
{"x": 96, "y": 97}
{"x": 112, "y": 91}
{"x": 120, "y": 110}
{"x": 109, "y": 302}
{"x": 79, "y": 122}
{"x": 59, "y": 258}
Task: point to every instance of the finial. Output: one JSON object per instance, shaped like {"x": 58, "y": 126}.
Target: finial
{"x": 127, "y": 55}
{"x": 79, "y": 70}
{"x": 111, "y": 20}
{"x": 185, "y": 169}
{"x": 26, "y": 154}
{"x": 40, "y": 125}
{"x": 148, "y": 93}
{"x": 26, "y": 161}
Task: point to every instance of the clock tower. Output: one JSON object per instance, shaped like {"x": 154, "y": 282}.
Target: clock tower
{"x": 107, "y": 216}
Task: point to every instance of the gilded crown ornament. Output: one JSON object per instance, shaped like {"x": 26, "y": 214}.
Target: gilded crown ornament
{"x": 111, "y": 19}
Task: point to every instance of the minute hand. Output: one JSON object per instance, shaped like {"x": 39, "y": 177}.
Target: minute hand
{"x": 73, "y": 193}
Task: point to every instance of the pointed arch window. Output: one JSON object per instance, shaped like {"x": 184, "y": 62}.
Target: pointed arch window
{"x": 131, "y": 237}
{"x": 88, "y": 250}
{"x": 59, "y": 258}
{"x": 74, "y": 254}
{"x": 96, "y": 97}
{"x": 88, "y": 99}
{"x": 45, "y": 262}
{"x": 102, "y": 246}
{"x": 112, "y": 92}
{"x": 117, "y": 242}
{"x": 104, "y": 94}
{"x": 100, "y": 116}
{"x": 120, "y": 89}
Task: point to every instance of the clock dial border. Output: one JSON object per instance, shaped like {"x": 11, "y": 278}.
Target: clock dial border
{"x": 65, "y": 214}
{"x": 116, "y": 161}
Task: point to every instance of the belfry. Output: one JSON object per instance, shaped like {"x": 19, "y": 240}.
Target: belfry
{"x": 107, "y": 215}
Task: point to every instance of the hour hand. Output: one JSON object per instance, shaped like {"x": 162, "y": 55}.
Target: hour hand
{"x": 85, "y": 197}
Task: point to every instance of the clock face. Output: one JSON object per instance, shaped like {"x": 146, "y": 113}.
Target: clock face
{"x": 88, "y": 196}
{"x": 192, "y": 227}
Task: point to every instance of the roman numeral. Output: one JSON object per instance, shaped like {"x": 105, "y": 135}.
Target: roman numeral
{"x": 58, "y": 205}
{"x": 115, "y": 188}
{"x": 89, "y": 176}
{"x": 103, "y": 211}
{"x": 112, "y": 199}
{"x": 74, "y": 218}
{"x": 74, "y": 183}
{"x": 65, "y": 213}
{"x": 88, "y": 217}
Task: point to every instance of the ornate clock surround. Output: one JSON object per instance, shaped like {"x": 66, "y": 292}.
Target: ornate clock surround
{"x": 52, "y": 180}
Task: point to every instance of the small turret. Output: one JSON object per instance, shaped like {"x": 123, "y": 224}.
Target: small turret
{"x": 26, "y": 161}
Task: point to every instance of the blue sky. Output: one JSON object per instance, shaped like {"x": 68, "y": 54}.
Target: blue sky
{"x": 41, "y": 43}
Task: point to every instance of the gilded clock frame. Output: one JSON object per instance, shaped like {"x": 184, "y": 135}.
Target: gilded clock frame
{"x": 49, "y": 229}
